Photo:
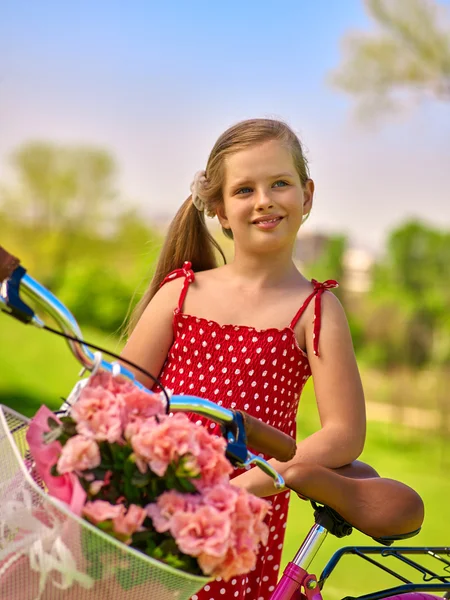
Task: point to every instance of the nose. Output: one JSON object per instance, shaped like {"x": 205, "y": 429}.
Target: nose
{"x": 263, "y": 200}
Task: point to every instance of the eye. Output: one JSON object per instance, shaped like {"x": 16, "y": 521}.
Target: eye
{"x": 244, "y": 190}
{"x": 280, "y": 184}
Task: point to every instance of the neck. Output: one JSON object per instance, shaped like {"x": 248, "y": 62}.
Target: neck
{"x": 265, "y": 269}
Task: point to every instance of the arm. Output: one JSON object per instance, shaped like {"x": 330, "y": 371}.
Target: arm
{"x": 339, "y": 396}
{"x": 151, "y": 339}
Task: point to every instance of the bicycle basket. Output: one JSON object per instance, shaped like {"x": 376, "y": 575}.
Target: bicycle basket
{"x": 48, "y": 553}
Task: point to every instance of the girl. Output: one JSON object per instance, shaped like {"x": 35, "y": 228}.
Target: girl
{"x": 249, "y": 334}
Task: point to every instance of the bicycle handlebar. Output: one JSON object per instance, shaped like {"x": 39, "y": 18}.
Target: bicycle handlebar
{"x": 258, "y": 435}
{"x": 19, "y": 280}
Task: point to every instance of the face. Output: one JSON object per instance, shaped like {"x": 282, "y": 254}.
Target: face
{"x": 263, "y": 198}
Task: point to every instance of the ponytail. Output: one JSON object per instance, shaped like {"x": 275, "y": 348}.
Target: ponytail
{"x": 188, "y": 238}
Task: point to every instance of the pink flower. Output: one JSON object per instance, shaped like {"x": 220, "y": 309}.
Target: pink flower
{"x": 233, "y": 564}
{"x": 127, "y": 524}
{"x": 249, "y": 508}
{"x": 99, "y": 511}
{"x": 66, "y": 488}
{"x": 222, "y": 497}
{"x": 222, "y": 526}
{"x": 99, "y": 414}
{"x": 214, "y": 466}
{"x": 116, "y": 384}
{"x": 167, "y": 505}
{"x": 159, "y": 444}
{"x": 210, "y": 565}
{"x": 248, "y": 531}
{"x": 98, "y": 484}
{"x": 78, "y": 454}
{"x": 249, "y": 527}
{"x": 140, "y": 405}
{"x": 202, "y": 531}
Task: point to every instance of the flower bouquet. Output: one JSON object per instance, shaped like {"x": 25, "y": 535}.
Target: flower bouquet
{"x": 118, "y": 499}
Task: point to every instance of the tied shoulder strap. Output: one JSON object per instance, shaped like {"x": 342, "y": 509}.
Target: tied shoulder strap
{"x": 319, "y": 289}
{"x": 189, "y": 276}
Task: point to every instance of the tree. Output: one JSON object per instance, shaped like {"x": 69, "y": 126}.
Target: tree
{"x": 408, "y": 58}
{"x": 63, "y": 194}
{"x": 330, "y": 263}
{"x": 63, "y": 188}
{"x": 410, "y": 298}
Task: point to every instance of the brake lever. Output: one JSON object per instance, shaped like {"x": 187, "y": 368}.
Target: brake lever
{"x": 266, "y": 467}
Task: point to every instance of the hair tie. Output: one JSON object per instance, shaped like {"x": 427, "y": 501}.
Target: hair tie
{"x": 199, "y": 180}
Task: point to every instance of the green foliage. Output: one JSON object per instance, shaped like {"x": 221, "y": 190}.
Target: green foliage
{"x": 407, "y": 311}
{"x": 63, "y": 188}
{"x": 97, "y": 275}
{"x": 99, "y": 296}
{"x": 408, "y": 54}
{"x": 63, "y": 220}
{"x": 330, "y": 264}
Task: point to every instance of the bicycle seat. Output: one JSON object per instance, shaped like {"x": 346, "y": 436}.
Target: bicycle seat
{"x": 381, "y": 508}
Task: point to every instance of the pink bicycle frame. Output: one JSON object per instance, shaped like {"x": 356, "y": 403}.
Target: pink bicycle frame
{"x": 296, "y": 583}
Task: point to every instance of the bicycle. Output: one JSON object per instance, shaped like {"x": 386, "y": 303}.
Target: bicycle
{"x": 352, "y": 497}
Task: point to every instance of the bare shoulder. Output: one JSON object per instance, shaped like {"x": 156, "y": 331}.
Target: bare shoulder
{"x": 167, "y": 297}
{"x": 160, "y": 308}
{"x": 150, "y": 341}
{"x": 210, "y": 275}
{"x": 335, "y": 336}
{"x": 332, "y": 310}
{"x": 209, "y": 280}
{"x": 169, "y": 291}
{"x": 329, "y": 303}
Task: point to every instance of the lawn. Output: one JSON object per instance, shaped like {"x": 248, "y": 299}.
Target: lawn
{"x": 36, "y": 367}
{"x": 417, "y": 464}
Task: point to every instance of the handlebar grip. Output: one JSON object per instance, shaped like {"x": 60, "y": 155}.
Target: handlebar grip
{"x": 265, "y": 438}
{"x": 8, "y": 264}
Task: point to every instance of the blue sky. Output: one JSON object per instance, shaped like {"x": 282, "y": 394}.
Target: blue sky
{"x": 156, "y": 83}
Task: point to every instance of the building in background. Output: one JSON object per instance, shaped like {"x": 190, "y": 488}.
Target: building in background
{"x": 357, "y": 263}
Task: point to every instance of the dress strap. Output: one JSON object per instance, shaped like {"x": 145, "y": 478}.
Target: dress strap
{"x": 186, "y": 272}
{"x": 319, "y": 289}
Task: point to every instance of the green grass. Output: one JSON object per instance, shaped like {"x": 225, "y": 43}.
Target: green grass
{"x": 36, "y": 364}
{"x": 415, "y": 458}
{"x": 36, "y": 367}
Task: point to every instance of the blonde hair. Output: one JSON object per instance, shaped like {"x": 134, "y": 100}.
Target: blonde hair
{"x": 188, "y": 237}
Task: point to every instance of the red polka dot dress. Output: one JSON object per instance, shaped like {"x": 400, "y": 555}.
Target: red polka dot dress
{"x": 260, "y": 371}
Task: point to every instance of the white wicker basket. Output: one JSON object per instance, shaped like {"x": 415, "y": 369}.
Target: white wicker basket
{"x": 48, "y": 553}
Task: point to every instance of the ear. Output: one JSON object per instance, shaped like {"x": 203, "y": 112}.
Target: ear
{"x": 308, "y": 195}
{"x": 221, "y": 215}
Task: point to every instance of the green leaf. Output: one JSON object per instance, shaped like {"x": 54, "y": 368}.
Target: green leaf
{"x": 185, "y": 485}
{"x": 141, "y": 479}
{"x": 169, "y": 553}
{"x": 131, "y": 492}
{"x": 64, "y": 438}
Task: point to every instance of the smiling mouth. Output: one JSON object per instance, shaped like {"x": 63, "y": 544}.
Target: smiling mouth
{"x": 263, "y": 220}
